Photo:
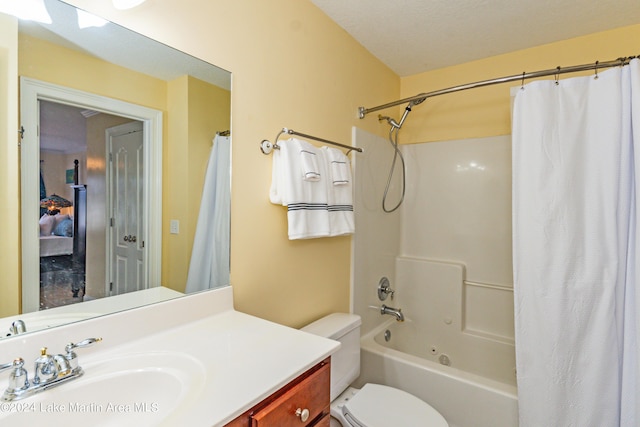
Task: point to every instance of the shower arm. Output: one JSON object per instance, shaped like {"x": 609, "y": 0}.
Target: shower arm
{"x": 392, "y": 122}
{"x": 417, "y": 99}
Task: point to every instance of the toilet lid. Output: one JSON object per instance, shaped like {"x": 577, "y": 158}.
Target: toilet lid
{"x": 377, "y": 405}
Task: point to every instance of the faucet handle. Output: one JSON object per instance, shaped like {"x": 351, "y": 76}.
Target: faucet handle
{"x": 71, "y": 355}
{"x": 19, "y": 379}
{"x": 16, "y": 363}
{"x": 384, "y": 289}
{"x": 84, "y": 343}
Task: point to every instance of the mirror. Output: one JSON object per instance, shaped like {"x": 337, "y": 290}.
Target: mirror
{"x": 126, "y": 130}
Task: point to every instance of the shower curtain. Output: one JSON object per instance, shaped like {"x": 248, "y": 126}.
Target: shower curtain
{"x": 576, "y": 148}
{"x": 209, "y": 266}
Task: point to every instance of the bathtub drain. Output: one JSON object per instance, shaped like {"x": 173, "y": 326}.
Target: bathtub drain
{"x": 387, "y": 335}
{"x": 444, "y": 359}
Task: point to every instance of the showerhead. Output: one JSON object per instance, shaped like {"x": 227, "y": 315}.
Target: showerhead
{"x": 392, "y": 122}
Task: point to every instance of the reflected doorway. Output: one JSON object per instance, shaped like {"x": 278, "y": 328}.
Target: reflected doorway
{"x": 75, "y": 161}
{"x": 102, "y": 113}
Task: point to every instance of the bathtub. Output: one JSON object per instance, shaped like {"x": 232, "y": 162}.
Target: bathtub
{"x": 465, "y": 399}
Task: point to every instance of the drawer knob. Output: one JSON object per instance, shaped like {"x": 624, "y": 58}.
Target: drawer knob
{"x": 303, "y": 414}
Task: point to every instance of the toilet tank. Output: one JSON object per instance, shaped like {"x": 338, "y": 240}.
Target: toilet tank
{"x": 345, "y": 362}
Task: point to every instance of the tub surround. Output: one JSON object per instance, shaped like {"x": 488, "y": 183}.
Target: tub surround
{"x": 244, "y": 359}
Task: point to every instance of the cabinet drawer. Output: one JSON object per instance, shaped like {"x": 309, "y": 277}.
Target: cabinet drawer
{"x": 311, "y": 394}
{"x": 324, "y": 421}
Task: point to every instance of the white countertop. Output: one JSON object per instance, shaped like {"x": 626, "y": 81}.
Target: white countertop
{"x": 242, "y": 358}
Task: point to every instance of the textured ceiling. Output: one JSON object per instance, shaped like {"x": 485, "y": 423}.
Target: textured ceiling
{"x": 413, "y": 36}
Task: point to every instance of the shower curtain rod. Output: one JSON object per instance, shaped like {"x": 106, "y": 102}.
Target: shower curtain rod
{"x": 417, "y": 99}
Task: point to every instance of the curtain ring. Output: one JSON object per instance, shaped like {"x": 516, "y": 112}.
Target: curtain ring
{"x": 522, "y": 84}
{"x": 557, "y": 76}
{"x": 596, "y": 68}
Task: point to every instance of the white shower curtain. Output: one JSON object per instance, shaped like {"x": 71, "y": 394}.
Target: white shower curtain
{"x": 209, "y": 266}
{"x": 575, "y": 169}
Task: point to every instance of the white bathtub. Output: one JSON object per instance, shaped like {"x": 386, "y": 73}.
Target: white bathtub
{"x": 464, "y": 399}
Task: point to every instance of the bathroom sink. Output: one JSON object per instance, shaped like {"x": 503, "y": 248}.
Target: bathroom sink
{"x": 130, "y": 390}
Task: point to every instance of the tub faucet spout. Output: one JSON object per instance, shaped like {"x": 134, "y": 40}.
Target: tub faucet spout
{"x": 397, "y": 312}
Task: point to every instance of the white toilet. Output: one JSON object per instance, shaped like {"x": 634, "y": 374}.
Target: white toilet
{"x": 373, "y": 405}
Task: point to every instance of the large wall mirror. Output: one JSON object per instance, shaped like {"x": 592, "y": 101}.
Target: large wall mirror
{"x": 120, "y": 136}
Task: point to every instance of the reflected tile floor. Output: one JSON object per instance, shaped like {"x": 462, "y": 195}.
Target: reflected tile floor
{"x": 61, "y": 281}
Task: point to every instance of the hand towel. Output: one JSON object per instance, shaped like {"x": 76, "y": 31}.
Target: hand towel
{"x": 306, "y": 200}
{"x": 309, "y": 164}
{"x": 340, "y": 192}
{"x": 339, "y": 170}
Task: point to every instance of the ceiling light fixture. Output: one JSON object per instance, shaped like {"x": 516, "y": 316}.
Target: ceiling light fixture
{"x": 126, "y": 4}
{"x": 32, "y": 10}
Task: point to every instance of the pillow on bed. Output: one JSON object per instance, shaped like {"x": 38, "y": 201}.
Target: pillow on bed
{"x": 64, "y": 229}
{"x": 47, "y": 223}
{"x": 59, "y": 218}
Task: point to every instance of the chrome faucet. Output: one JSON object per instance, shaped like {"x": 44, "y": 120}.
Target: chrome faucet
{"x": 49, "y": 371}
{"x": 17, "y": 327}
{"x": 397, "y": 312}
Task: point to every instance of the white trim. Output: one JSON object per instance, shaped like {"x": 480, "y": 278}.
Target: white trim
{"x": 31, "y": 91}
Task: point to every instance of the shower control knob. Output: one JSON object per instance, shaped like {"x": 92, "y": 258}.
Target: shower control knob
{"x": 303, "y": 414}
{"x": 384, "y": 289}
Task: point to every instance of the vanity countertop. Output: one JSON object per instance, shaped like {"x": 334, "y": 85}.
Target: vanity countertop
{"x": 238, "y": 359}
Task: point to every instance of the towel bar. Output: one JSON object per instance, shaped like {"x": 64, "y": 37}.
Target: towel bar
{"x": 267, "y": 147}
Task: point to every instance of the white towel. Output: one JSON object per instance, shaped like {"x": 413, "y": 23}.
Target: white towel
{"x": 339, "y": 170}
{"x": 340, "y": 192}
{"x": 309, "y": 165}
{"x": 306, "y": 200}
{"x": 275, "y": 195}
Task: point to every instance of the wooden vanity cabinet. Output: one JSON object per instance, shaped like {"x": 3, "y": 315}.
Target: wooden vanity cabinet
{"x": 301, "y": 403}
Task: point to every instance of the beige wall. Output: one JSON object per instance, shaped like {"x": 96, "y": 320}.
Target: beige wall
{"x": 54, "y": 166}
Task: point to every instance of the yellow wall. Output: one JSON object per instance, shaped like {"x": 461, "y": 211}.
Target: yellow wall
{"x": 293, "y": 67}
{"x": 205, "y": 119}
{"x": 197, "y": 110}
{"x": 55, "y": 64}
{"x": 485, "y": 111}
{"x": 9, "y": 162}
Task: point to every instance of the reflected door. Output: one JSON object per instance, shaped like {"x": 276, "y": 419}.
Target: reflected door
{"x": 127, "y": 238}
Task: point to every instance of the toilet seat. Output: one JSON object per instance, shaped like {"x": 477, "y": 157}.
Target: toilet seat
{"x": 377, "y": 405}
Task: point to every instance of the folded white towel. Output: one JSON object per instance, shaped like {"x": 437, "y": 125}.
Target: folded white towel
{"x": 309, "y": 163}
{"x": 340, "y": 193}
{"x": 306, "y": 200}
{"x": 339, "y": 170}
